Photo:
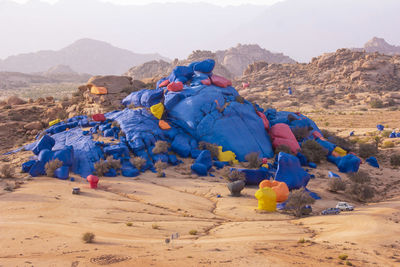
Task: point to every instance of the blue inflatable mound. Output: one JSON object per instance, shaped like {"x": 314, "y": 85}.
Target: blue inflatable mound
{"x": 290, "y": 171}
{"x": 212, "y": 114}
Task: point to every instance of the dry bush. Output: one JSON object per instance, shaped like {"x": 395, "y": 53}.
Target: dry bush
{"x": 336, "y": 184}
{"x": 101, "y": 167}
{"x": 313, "y": 151}
{"x": 337, "y": 140}
{"x": 395, "y": 160}
{"x": 387, "y": 144}
{"x": 239, "y": 99}
{"x": 160, "y": 147}
{"x": 88, "y": 237}
{"x": 360, "y": 192}
{"x": 213, "y": 148}
{"x": 52, "y": 166}
{"x": 160, "y": 167}
{"x": 367, "y": 150}
{"x": 301, "y": 133}
{"x": 283, "y": 148}
{"x": 113, "y": 163}
{"x": 253, "y": 160}
{"x": 232, "y": 175}
{"x": 297, "y": 200}
{"x": 360, "y": 177}
{"x": 376, "y": 103}
{"x": 6, "y": 171}
{"x": 138, "y": 162}
{"x": 115, "y": 124}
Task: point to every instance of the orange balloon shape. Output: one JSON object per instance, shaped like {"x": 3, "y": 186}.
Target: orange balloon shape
{"x": 280, "y": 188}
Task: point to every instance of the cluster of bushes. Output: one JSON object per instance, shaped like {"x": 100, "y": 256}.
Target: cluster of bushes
{"x": 359, "y": 189}
{"x": 313, "y": 151}
{"x": 6, "y": 171}
{"x": 103, "y": 166}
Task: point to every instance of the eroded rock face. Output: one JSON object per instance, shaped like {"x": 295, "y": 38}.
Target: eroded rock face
{"x": 114, "y": 84}
{"x": 230, "y": 63}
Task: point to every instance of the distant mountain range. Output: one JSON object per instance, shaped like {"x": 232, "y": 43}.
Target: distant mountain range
{"x": 379, "y": 45}
{"x": 301, "y": 29}
{"x": 83, "y": 56}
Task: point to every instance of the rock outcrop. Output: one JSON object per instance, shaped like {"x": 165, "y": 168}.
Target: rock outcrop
{"x": 334, "y": 75}
{"x": 230, "y": 63}
{"x": 380, "y": 45}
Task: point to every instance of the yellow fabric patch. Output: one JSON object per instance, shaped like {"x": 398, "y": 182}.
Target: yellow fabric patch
{"x": 340, "y": 151}
{"x": 157, "y": 110}
{"x": 227, "y": 156}
{"x": 265, "y": 165}
{"x": 54, "y": 122}
{"x": 266, "y": 199}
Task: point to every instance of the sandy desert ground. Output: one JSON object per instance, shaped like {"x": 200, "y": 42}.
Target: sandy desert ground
{"x": 42, "y": 222}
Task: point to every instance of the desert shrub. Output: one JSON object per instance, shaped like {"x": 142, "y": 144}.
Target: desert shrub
{"x": 113, "y": 163}
{"x": 283, "y": 148}
{"x": 138, "y": 162}
{"x": 253, "y": 159}
{"x": 395, "y": 160}
{"x": 52, "y": 166}
{"x": 376, "y": 103}
{"x": 360, "y": 177}
{"x": 239, "y": 99}
{"x": 160, "y": 147}
{"x": 297, "y": 200}
{"x": 101, "y": 167}
{"x": 213, "y": 148}
{"x": 387, "y": 144}
{"x": 330, "y": 102}
{"x": 233, "y": 175}
{"x": 386, "y": 133}
{"x": 115, "y": 124}
{"x": 129, "y": 90}
{"x": 129, "y": 224}
{"x": 337, "y": 140}
{"x": 193, "y": 232}
{"x": 343, "y": 257}
{"x": 367, "y": 150}
{"x": 88, "y": 237}
{"x": 360, "y": 192}
{"x": 301, "y": 133}
{"x": 6, "y": 171}
{"x": 160, "y": 167}
{"x": 155, "y": 226}
{"x": 7, "y": 107}
{"x": 336, "y": 184}
{"x": 313, "y": 151}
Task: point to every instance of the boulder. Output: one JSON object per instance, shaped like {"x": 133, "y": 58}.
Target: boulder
{"x": 114, "y": 84}
{"x": 34, "y": 125}
{"x": 14, "y": 100}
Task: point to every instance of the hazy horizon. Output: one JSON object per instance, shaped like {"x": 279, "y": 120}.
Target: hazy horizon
{"x": 175, "y": 28}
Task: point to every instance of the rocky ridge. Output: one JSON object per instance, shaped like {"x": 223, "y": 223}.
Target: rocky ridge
{"x": 230, "y": 63}
{"x": 358, "y": 77}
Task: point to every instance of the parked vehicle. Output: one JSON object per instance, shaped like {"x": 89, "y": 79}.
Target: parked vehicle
{"x": 306, "y": 210}
{"x": 344, "y": 206}
{"x": 330, "y": 211}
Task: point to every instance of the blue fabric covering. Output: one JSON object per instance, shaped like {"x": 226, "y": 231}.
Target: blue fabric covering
{"x": 346, "y": 164}
{"x": 37, "y": 169}
{"x": 275, "y": 117}
{"x": 373, "y": 162}
{"x": 173, "y": 160}
{"x": 205, "y": 159}
{"x": 111, "y": 173}
{"x": 255, "y": 176}
{"x": 380, "y": 127}
{"x": 326, "y": 144}
{"x": 220, "y": 164}
{"x": 333, "y": 175}
{"x": 302, "y": 158}
{"x": 62, "y": 173}
{"x": 26, "y": 166}
{"x": 181, "y": 145}
{"x": 199, "y": 169}
{"x": 290, "y": 171}
{"x": 352, "y": 133}
{"x": 46, "y": 142}
{"x": 45, "y": 155}
{"x": 204, "y": 66}
{"x": 128, "y": 170}
{"x": 392, "y": 134}
{"x": 312, "y": 194}
{"x": 312, "y": 165}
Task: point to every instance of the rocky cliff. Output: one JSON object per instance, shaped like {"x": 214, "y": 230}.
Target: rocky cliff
{"x": 230, "y": 63}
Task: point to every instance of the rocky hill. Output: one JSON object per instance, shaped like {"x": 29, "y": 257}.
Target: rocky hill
{"x": 229, "y": 63}
{"x": 380, "y": 45}
{"x": 237, "y": 58}
{"x": 83, "y": 56}
{"x": 346, "y": 76}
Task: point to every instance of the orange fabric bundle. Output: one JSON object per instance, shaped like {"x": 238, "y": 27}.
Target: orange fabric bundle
{"x": 163, "y": 125}
{"x": 98, "y": 90}
{"x": 280, "y": 188}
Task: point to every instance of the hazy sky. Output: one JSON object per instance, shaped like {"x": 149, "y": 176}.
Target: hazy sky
{"x": 217, "y": 2}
